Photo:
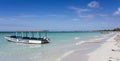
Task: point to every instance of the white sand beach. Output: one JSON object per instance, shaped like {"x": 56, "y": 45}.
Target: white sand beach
{"x": 96, "y": 51}
{"x": 105, "y": 53}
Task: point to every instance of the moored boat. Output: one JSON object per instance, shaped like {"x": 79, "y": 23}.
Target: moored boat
{"x": 27, "y": 39}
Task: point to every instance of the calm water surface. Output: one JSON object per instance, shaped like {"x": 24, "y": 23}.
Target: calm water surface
{"x": 36, "y": 52}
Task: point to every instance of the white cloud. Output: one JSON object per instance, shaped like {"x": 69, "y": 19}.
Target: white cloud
{"x": 86, "y": 16}
{"x": 75, "y": 19}
{"x": 1, "y": 18}
{"x": 117, "y": 12}
{"x": 55, "y": 15}
{"x": 102, "y": 15}
{"x": 93, "y": 4}
{"x": 79, "y": 10}
{"x": 52, "y": 15}
{"x": 39, "y": 16}
{"x": 25, "y": 16}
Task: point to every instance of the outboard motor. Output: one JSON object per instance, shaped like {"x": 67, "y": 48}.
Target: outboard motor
{"x": 46, "y": 40}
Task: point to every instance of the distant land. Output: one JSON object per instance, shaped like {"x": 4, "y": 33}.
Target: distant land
{"x": 115, "y": 29}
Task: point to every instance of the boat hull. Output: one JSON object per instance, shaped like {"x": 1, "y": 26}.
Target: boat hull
{"x": 27, "y": 40}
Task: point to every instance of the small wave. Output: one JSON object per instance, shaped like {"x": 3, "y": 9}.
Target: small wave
{"x": 96, "y": 36}
{"x": 96, "y": 40}
{"x": 65, "y": 55}
{"x": 79, "y": 43}
{"x": 37, "y": 46}
{"x": 76, "y": 38}
{"x": 35, "y": 57}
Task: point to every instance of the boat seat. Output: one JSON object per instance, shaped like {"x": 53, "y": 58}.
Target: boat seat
{"x": 13, "y": 36}
{"x": 26, "y": 38}
{"x": 34, "y": 38}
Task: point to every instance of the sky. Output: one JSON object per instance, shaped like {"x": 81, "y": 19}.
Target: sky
{"x": 59, "y": 15}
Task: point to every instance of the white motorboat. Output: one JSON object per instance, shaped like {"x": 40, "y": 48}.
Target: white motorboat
{"x": 27, "y": 39}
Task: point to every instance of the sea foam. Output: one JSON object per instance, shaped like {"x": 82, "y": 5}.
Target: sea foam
{"x": 76, "y": 38}
{"x": 65, "y": 55}
{"x": 80, "y": 42}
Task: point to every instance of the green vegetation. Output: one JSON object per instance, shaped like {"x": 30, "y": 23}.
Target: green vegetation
{"x": 115, "y": 29}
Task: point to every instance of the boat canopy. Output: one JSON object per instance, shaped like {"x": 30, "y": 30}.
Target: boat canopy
{"x": 31, "y": 34}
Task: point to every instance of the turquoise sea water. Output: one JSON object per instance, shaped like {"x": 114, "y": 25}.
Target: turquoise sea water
{"x": 60, "y": 43}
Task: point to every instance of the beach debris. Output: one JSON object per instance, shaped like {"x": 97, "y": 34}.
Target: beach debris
{"x": 117, "y": 39}
{"x": 118, "y": 50}
{"x": 111, "y": 58}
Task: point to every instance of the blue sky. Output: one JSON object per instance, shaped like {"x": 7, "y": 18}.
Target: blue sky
{"x": 59, "y": 15}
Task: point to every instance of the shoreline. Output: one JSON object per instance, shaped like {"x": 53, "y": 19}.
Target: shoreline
{"x": 77, "y": 51}
{"x": 104, "y": 52}
{"x": 86, "y": 54}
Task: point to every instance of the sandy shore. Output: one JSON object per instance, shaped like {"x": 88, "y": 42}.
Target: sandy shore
{"x": 100, "y": 50}
{"x": 105, "y": 53}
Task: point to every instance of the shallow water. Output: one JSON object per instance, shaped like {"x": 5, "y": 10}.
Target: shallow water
{"x": 59, "y": 44}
